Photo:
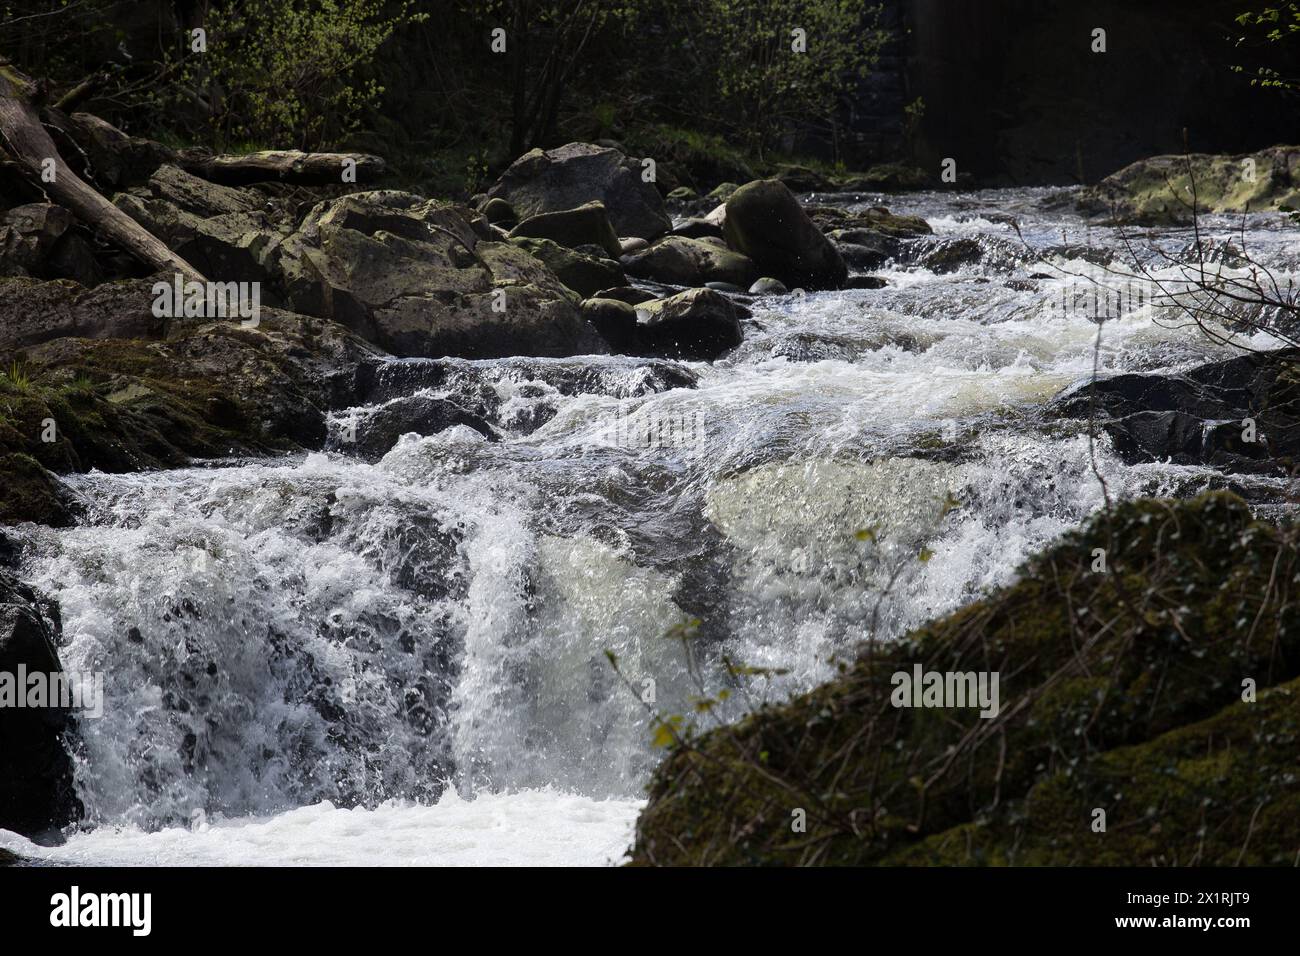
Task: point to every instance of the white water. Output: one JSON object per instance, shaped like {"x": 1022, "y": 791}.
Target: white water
{"x": 331, "y": 661}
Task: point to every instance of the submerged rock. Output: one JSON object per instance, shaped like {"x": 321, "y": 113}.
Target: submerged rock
{"x": 1123, "y": 685}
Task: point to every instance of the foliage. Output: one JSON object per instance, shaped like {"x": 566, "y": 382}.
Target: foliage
{"x": 1270, "y": 25}
{"x": 762, "y": 78}
{"x": 293, "y": 71}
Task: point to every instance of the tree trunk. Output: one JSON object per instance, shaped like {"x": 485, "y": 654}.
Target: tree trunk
{"x": 289, "y": 166}
{"x": 25, "y": 139}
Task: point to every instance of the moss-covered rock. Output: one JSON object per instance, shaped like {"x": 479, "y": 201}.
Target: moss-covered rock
{"x": 1121, "y": 654}
{"x": 1165, "y": 189}
{"x": 210, "y": 390}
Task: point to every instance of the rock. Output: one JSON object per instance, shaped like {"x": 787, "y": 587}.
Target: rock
{"x": 238, "y": 246}
{"x": 697, "y": 229}
{"x": 418, "y": 278}
{"x": 722, "y": 192}
{"x": 1115, "y": 690}
{"x": 36, "y": 787}
{"x": 198, "y": 196}
{"x": 877, "y": 220}
{"x": 30, "y": 493}
{"x": 697, "y": 324}
{"x": 616, "y": 321}
{"x": 861, "y": 257}
{"x": 766, "y": 223}
{"x": 1158, "y": 191}
{"x": 583, "y": 225}
{"x": 379, "y": 430}
{"x": 551, "y": 180}
{"x": 210, "y": 390}
{"x": 499, "y": 213}
{"x": 683, "y": 194}
{"x": 113, "y": 159}
{"x": 768, "y": 286}
{"x": 584, "y": 274}
{"x": 680, "y": 261}
{"x": 632, "y": 244}
{"x": 1206, "y": 416}
{"x": 626, "y": 294}
{"x": 865, "y": 282}
{"x": 949, "y": 255}
{"x": 33, "y": 311}
{"x": 28, "y": 235}
{"x": 725, "y": 287}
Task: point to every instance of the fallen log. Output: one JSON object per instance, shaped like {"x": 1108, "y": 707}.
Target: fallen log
{"x": 283, "y": 165}
{"x": 24, "y": 138}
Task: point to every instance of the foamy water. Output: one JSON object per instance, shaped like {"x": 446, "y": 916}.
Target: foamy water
{"x": 405, "y": 661}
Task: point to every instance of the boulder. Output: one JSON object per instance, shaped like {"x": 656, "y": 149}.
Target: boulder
{"x": 587, "y": 224}
{"x": 616, "y": 321}
{"x": 34, "y": 311}
{"x": 697, "y": 229}
{"x": 499, "y": 213}
{"x": 423, "y": 278}
{"x": 698, "y": 324}
{"x": 584, "y": 274}
{"x": 768, "y": 286}
{"x": 567, "y": 177}
{"x": 680, "y": 261}
{"x": 766, "y": 223}
{"x": 379, "y": 430}
{"x": 1241, "y": 414}
{"x": 36, "y": 786}
{"x": 1158, "y": 190}
{"x": 28, "y": 236}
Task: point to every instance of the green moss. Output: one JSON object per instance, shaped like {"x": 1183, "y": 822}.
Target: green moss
{"x": 1196, "y": 597}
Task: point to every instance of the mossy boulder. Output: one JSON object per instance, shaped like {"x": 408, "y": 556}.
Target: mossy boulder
{"x": 211, "y": 389}
{"x": 1122, "y": 653}
{"x": 1164, "y": 190}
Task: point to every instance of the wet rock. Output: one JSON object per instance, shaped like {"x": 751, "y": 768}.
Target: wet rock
{"x": 697, "y": 324}
{"x": 680, "y": 261}
{"x": 865, "y": 282}
{"x": 567, "y": 177}
{"x": 36, "y": 788}
{"x": 378, "y": 431}
{"x": 632, "y": 244}
{"x": 1242, "y": 414}
{"x": 768, "y": 286}
{"x": 587, "y": 224}
{"x": 766, "y": 223}
{"x": 615, "y": 320}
